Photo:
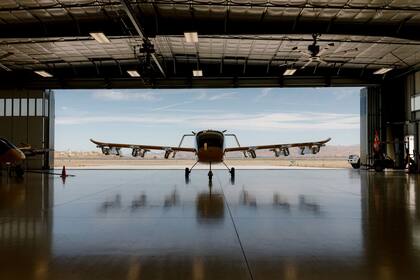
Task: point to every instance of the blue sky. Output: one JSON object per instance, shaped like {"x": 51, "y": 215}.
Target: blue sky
{"x": 160, "y": 117}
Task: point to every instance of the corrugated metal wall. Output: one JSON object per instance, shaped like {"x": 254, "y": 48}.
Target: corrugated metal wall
{"x": 27, "y": 117}
{"x": 391, "y": 110}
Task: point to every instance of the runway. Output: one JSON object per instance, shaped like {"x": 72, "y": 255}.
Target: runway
{"x": 268, "y": 224}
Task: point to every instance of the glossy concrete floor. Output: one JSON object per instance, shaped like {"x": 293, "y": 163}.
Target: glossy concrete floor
{"x": 269, "y": 224}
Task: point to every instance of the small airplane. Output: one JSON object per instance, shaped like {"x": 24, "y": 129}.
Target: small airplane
{"x": 13, "y": 156}
{"x": 210, "y": 148}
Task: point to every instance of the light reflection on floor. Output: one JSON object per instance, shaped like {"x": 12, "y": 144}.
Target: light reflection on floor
{"x": 268, "y": 224}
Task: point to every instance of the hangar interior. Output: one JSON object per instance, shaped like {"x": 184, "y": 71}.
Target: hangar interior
{"x": 282, "y": 224}
{"x": 62, "y": 44}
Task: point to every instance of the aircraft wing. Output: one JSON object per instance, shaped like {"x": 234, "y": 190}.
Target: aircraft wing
{"x": 29, "y": 151}
{"x": 138, "y": 149}
{"x": 306, "y": 147}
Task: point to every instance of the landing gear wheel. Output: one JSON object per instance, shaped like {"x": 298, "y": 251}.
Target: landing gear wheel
{"x": 232, "y": 172}
{"x": 187, "y": 172}
{"x": 232, "y": 175}
{"x": 210, "y": 175}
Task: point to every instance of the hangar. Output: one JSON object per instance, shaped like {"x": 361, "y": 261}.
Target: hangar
{"x": 91, "y": 44}
{"x": 49, "y": 45}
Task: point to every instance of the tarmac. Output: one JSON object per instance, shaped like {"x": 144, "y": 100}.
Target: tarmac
{"x": 266, "y": 224}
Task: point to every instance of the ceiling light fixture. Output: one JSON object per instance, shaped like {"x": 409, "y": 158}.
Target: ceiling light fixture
{"x": 382, "y": 71}
{"x": 197, "y": 73}
{"x": 100, "y": 37}
{"x": 133, "y": 73}
{"x": 191, "y": 37}
{"x": 43, "y": 73}
{"x": 289, "y": 72}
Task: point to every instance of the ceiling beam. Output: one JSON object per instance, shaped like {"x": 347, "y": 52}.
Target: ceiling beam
{"x": 206, "y": 82}
{"x": 152, "y": 27}
{"x": 307, "y": 5}
{"x": 92, "y": 76}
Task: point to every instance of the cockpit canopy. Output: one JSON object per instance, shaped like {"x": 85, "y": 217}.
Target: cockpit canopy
{"x": 213, "y": 138}
{"x": 5, "y": 145}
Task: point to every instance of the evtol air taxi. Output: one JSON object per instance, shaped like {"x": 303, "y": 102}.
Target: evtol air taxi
{"x": 210, "y": 148}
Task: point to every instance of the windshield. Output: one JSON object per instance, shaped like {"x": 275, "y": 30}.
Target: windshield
{"x": 5, "y": 146}
{"x": 213, "y": 139}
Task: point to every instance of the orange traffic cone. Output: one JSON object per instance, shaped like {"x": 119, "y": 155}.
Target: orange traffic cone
{"x": 63, "y": 172}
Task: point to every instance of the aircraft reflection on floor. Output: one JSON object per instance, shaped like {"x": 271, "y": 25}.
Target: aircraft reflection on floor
{"x": 306, "y": 205}
{"x": 208, "y": 201}
{"x": 41, "y": 240}
{"x": 247, "y": 199}
{"x": 139, "y": 202}
{"x": 210, "y": 183}
{"x": 210, "y": 207}
{"x": 280, "y": 202}
{"x": 114, "y": 203}
{"x": 171, "y": 200}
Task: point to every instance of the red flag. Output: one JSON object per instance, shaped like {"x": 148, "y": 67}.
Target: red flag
{"x": 376, "y": 143}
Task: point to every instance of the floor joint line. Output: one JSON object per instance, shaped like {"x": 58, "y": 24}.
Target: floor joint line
{"x": 237, "y": 234}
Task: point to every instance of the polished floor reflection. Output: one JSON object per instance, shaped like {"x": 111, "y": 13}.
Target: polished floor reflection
{"x": 268, "y": 224}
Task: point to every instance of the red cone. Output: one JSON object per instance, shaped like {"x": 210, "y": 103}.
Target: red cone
{"x": 63, "y": 172}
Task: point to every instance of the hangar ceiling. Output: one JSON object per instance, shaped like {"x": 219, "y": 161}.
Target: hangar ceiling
{"x": 240, "y": 42}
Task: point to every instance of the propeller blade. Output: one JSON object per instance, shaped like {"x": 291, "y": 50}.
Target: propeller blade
{"x": 322, "y": 51}
{"x": 320, "y": 60}
{"x": 305, "y": 53}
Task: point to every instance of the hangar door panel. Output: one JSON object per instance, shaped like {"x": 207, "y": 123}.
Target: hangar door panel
{"x": 25, "y": 119}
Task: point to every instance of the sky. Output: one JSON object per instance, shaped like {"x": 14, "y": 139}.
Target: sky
{"x": 257, "y": 116}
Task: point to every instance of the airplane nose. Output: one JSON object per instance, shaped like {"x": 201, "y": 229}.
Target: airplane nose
{"x": 19, "y": 155}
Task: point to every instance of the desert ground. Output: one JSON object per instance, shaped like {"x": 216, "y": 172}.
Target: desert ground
{"x": 329, "y": 157}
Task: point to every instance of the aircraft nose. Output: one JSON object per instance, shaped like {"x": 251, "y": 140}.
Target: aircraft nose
{"x": 19, "y": 155}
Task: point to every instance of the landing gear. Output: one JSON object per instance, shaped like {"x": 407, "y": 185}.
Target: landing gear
{"x": 232, "y": 172}
{"x": 210, "y": 174}
{"x": 187, "y": 173}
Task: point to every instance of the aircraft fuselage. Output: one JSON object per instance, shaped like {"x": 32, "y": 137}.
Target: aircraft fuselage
{"x": 210, "y": 145}
{"x": 9, "y": 154}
